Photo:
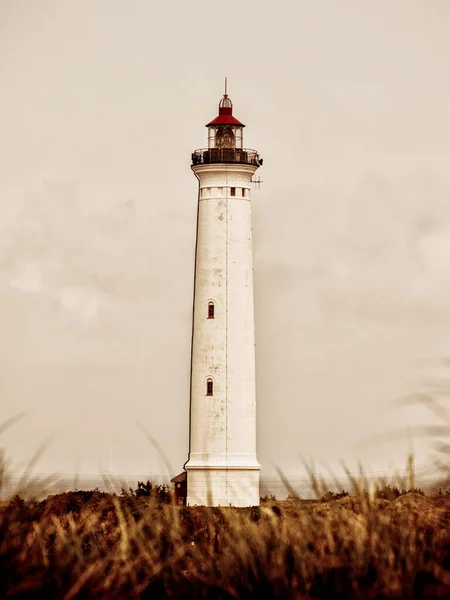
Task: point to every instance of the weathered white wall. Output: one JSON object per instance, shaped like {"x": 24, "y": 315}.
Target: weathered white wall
{"x": 223, "y": 426}
{"x": 223, "y": 487}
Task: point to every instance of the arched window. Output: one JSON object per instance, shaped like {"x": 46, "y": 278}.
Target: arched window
{"x": 211, "y": 308}
{"x": 209, "y": 387}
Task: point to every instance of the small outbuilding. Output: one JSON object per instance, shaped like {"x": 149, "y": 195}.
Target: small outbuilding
{"x": 180, "y": 482}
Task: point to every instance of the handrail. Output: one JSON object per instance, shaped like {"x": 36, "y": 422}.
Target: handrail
{"x": 206, "y": 156}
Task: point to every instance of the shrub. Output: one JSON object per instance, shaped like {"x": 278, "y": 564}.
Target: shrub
{"x": 329, "y": 496}
{"x": 391, "y": 493}
{"x": 160, "y": 493}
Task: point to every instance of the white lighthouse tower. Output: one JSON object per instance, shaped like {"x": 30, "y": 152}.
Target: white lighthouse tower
{"x": 222, "y": 469}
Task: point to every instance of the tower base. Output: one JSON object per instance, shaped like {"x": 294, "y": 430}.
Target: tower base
{"x": 223, "y": 487}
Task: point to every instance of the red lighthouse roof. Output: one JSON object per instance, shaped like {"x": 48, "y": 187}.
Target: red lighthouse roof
{"x": 225, "y": 116}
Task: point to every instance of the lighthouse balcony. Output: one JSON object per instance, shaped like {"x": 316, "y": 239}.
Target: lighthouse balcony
{"x": 207, "y": 156}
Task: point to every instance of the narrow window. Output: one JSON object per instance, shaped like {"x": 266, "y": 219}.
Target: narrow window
{"x": 232, "y": 191}
{"x": 209, "y": 387}
{"x": 210, "y": 310}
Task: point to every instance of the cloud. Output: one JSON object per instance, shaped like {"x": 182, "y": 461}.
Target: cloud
{"x": 54, "y": 250}
{"x": 384, "y": 253}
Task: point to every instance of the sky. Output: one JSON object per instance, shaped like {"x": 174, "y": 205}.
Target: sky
{"x": 102, "y": 104}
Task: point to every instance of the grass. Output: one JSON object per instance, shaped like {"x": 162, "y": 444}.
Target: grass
{"x": 392, "y": 542}
{"x": 103, "y": 545}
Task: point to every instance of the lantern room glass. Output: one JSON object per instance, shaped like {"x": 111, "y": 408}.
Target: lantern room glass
{"x": 225, "y": 136}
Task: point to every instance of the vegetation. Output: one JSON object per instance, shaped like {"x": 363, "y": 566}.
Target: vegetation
{"x": 390, "y": 543}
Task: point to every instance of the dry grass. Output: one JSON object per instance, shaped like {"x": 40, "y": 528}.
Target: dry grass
{"x": 99, "y": 545}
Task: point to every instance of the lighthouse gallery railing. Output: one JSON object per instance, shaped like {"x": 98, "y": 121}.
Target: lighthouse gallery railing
{"x": 206, "y": 156}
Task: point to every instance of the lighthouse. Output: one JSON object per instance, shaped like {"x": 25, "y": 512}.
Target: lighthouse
{"x": 222, "y": 467}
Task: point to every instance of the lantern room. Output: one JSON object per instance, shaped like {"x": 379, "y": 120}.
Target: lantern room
{"x": 225, "y": 131}
{"x": 226, "y": 140}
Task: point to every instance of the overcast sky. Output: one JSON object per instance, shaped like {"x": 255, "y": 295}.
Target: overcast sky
{"x": 102, "y": 103}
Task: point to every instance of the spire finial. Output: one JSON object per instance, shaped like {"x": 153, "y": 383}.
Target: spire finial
{"x": 225, "y": 105}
